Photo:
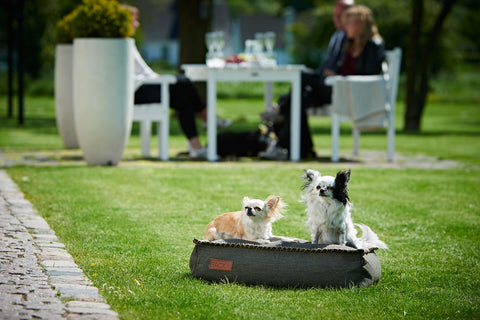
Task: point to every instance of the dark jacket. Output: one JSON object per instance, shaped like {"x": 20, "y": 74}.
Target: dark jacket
{"x": 334, "y": 52}
{"x": 370, "y": 60}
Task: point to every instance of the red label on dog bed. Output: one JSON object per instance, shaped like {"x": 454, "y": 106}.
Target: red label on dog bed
{"x": 221, "y": 265}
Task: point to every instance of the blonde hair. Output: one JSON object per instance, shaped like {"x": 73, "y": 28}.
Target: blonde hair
{"x": 365, "y": 15}
{"x": 133, "y": 10}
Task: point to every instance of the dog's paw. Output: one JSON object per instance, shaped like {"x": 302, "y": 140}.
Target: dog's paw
{"x": 263, "y": 241}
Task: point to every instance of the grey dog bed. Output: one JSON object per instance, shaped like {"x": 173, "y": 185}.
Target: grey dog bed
{"x": 283, "y": 263}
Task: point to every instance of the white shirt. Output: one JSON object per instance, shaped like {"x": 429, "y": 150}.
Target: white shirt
{"x": 141, "y": 69}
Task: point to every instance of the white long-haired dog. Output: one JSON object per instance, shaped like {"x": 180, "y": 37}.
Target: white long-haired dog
{"x": 328, "y": 210}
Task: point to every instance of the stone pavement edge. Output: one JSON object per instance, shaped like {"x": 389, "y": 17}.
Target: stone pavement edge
{"x": 38, "y": 277}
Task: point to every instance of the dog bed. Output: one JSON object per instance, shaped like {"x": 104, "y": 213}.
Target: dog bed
{"x": 281, "y": 263}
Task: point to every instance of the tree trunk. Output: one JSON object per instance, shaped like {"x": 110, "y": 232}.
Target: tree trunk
{"x": 412, "y": 66}
{"x": 417, "y": 89}
{"x": 195, "y": 17}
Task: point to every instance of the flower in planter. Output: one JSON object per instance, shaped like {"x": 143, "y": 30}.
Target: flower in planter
{"x": 101, "y": 19}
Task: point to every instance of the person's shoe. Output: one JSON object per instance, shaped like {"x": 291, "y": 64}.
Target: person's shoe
{"x": 197, "y": 154}
{"x": 274, "y": 152}
{"x": 221, "y": 123}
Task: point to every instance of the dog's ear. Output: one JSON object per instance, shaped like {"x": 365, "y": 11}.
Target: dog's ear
{"x": 308, "y": 176}
{"x": 340, "y": 187}
{"x": 344, "y": 175}
{"x": 275, "y": 206}
{"x": 342, "y": 178}
{"x": 245, "y": 199}
{"x": 272, "y": 202}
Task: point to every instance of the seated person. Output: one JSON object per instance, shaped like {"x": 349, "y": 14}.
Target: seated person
{"x": 362, "y": 54}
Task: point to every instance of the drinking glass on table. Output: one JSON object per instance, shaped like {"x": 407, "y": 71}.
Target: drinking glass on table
{"x": 210, "y": 43}
{"x": 251, "y": 49}
{"x": 259, "y": 53}
{"x": 219, "y": 43}
{"x": 215, "y": 42}
{"x": 269, "y": 40}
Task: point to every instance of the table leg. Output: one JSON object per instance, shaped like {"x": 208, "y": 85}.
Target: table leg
{"x": 335, "y": 137}
{"x": 295, "y": 124}
{"x": 212, "y": 117}
{"x": 163, "y": 131}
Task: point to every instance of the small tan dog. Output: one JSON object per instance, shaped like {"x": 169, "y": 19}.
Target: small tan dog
{"x": 253, "y": 223}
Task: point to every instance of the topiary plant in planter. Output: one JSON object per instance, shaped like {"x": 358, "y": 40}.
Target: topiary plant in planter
{"x": 102, "y": 79}
{"x": 101, "y": 19}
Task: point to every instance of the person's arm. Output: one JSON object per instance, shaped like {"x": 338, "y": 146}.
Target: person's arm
{"x": 370, "y": 60}
{"x": 330, "y": 65}
{"x": 141, "y": 69}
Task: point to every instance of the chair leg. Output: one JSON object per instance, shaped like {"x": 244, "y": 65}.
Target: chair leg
{"x": 335, "y": 137}
{"x": 163, "y": 132}
{"x": 356, "y": 138}
{"x": 391, "y": 139}
{"x": 145, "y": 133}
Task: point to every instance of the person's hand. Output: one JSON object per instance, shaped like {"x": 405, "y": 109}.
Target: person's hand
{"x": 328, "y": 73}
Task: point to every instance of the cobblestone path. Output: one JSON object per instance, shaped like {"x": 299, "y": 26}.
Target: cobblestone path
{"x": 38, "y": 277}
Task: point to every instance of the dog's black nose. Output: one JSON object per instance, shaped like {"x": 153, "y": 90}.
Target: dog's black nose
{"x": 323, "y": 191}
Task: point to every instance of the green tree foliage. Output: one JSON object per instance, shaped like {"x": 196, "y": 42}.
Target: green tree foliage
{"x": 465, "y": 19}
{"x": 255, "y": 6}
{"x": 459, "y": 36}
{"x": 39, "y": 18}
{"x": 312, "y": 31}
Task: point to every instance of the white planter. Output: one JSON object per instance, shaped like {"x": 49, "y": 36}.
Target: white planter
{"x": 103, "y": 97}
{"x": 64, "y": 95}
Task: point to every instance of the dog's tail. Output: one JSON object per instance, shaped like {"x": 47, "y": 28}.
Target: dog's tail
{"x": 369, "y": 238}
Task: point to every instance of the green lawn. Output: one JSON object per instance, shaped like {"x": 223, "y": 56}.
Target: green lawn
{"x": 137, "y": 223}
{"x": 450, "y": 130}
{"x": 131, "y": 227}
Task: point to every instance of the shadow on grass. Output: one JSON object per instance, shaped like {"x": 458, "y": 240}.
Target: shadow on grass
{"x": 383, "y": 132}
{"x": 225, "y": 282}
{"x": 183, "y": 157}
{"x": 48, "y": 125}
{"x": 441, "y": 133}
{"x": 39, "y": 125}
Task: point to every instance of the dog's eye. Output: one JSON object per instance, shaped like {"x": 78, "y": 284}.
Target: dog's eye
{"x": 246, "y": 208}
{"x": 318, "y": 187}
{"x": 329, "y": 188}
{"x": 257, "y": 209}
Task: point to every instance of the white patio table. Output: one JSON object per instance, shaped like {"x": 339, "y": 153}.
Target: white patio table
{"x": 268, "y": 75}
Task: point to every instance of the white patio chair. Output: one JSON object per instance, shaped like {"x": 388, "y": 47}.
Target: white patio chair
{"x": 367, "y": 101}
{"x": 155, "y": 112}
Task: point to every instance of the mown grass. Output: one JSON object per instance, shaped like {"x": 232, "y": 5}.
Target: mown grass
{"x": 450, "y": 129}
{"x": 131, "y": 227}
{"x": 131, "y": 230}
